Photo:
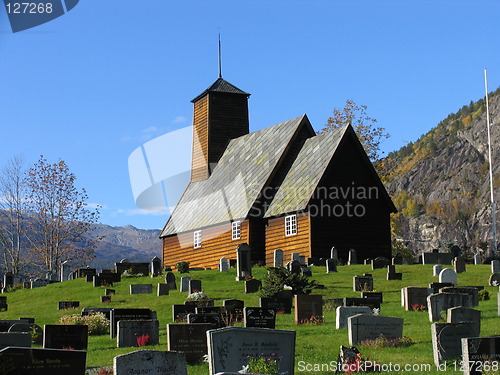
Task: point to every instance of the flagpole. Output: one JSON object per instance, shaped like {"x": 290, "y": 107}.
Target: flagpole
{"x": 493, "y": 218}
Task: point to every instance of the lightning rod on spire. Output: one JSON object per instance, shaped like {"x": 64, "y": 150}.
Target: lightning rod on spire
{"x": 220, "y": 60}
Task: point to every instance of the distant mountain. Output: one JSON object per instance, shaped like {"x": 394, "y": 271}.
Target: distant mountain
{"x": 440, "y": 184}
{"x": 134, "y": 244}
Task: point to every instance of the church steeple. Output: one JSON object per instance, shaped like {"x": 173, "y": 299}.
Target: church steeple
{"x": 220, "y": 114}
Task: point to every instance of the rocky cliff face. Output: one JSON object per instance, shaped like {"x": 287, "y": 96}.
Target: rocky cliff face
{"x": 441, "y": 184}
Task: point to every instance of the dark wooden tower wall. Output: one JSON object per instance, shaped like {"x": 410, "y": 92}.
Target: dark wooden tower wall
{"x": 369, "y": 234}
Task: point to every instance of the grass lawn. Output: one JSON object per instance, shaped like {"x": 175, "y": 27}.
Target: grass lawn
{"x": 317, "y": 345}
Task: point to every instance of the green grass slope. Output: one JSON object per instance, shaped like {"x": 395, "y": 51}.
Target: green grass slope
{"x": 317, "y": 345}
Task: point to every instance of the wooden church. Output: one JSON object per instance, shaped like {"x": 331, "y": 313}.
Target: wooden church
{"x": 282, "y": 187}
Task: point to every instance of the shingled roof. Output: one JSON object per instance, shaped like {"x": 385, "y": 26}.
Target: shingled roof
{"x": 239, "y": 177}
{"x": 221, "y": 85}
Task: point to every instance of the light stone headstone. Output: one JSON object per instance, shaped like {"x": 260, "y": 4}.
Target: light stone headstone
{"x": 331, "y": 265}
{"x": 478, "y": 351}
{"x": 155, "y": 266}
{"x": 15, "y": 339}
{"x": 443, "y": 301}
{"x": 137, "y": 332}
{"x": 465, "y": 315}
{"x": 334, "y": 254}
{"x": 352, "y": 257}
{"x": 243, "y": 262}
{"x": 495, "y": 266}
{"x": 369, "y": 327}
{"x": 229, "y": 347}
{"x": 141, "y": 288}
{"x": 150, "y": 362}
{"x": 65, "y": 271}
{"x": 446, "y": 340}
{"x": 494, "y": 280}
{"x": 447, "y": 275}
{"x": 478, "y": 259}
{"x": 223, "y": 265}
{"x": 184, "y": 283}
{"x": 345, "y": 312}
{"x": 278, "y": 258}
{"x": 459, "y": 264}
{"x": 437, "y": 269}
{"x": 163, "y": 289}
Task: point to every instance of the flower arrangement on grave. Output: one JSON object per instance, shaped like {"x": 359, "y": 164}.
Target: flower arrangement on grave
{"x": 142, "y": 340}
{"x": 418, "y": 307}
{"x": 313, "y": 320}
{"x": 105, "y": 372}
{"x": 199, "y": 298}
{"x": 263, "y": 364}
{"x": 351, "y": 362}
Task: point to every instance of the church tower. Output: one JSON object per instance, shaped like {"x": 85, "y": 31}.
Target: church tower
{"x": 220, "y": 114}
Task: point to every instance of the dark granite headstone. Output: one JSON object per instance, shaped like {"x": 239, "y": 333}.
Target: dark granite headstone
{"x": 380, "y": 262}
{"x": 83, "y": 272}
{"x": 308, "y": 307}
{"x": 214, "y": 319}
{"x": 128, "y": 314}
{"x": 252, "y": 286}
{"x": 94, "y": 310}
{"x": 194, "y": 286}
{"x": 105, "y": 299}
{"x": 190, "y": 339}
{"x": 261, "y": 317}
{"x": 65, "y": 305}
{"x": 73, "y": 337}
{"x": 480, "y": 351}
{"x": 375, "y": 295}
{"x": 281, "y": 305}
{"x": 373, "y": 303}
{"x": 180, "y": 312}
{"x": 170, "y": 281}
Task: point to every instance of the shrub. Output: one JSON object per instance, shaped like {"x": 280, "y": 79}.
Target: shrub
{"x": 277, "y": 277}
{"x": 268, "y": 365}
{"x": 483, "y": 295}
{"x": 97, "y": 323}
{"x": 182, "y": 267}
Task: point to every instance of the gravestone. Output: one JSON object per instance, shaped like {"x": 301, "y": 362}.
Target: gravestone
{"x": 105, "y": 299}
{"x": 308, "y": 308}
{"x": 132, "y": 268}
{"x": 459, "y": 264}
{"x": 127, "y": 314}
{"x": 38, "y": 283}
{"x": 190, "y": 339}
{"x": 3, "y": 303}
{"x": 163, "y": 289}
{"x": 184, "y": 283}
{"x": 362, "y": 283}
{"x": 465, "y": 315}
{"x": 28, "y": 327}
{"x": 89, "y": 278}
{"x": 331, "y": 265}
{"x": 352, "y": 257}
{"x": 83, "y": 272}
{"x": 494, "y": 280}
{"x": 438, "y": 286}
{"x": 398, "y": 259}
{"x": 369, "y": 327}
{"x": 141, "y": 288}
{"x": 109, "y": 292}
{"x": 137, "y": 333}
{"x": 223, "y": 265}
{"x": 72, "y": 337}
{"x": 367, "y": 262}
{"x": 436, "y": 269}
{"x": 170, "y": 281}
{"x": 65, "y": 305}
{"x": 22, "y": 339}
{"x": 278, "y": 258}
{"x": 155, "y": 267}
{"x": 8, "y": 280}
{"x": 150, "y": 362}
{"x": 103, "y": 280}
{"x": 415, "y": 297}
{"x": 495, "y": 266}
{"x": 373, "y": 303}
{"x": 96, "y": 310}
{"x": 180, "y": 312}
{"x": 480, "y": 352}
{"x": 65, "y": 271}
{"x": 294, "y": 267}
{"x": 374, "y": 295}
{"x": 306, "y": 271}
{"x": 392, "y": 274}
{"x": 446, "y": 340}
{"x": 194, "y": 286}
{"x": 252, "y": 286}
{"x": 260, "y": 317}
{"x": 380, "y": 262}
{"x": 229, "y": 348}
{"x": 234, "y": 307}
{"x": 302, "y": 260}
{"x": 209, "y": 309}
{"x": 334, "y": 254}
{"x": 34, "y": 361}
{"x": 472, "y": 291}
{"x": 243, "y": 262}
{"x": 478, "y": 259}
{"x": 345, "y": 312}
{"x": 210, "y": 318}
{"x": 281, "y": 305}
{"x": 447, "y": 275}
{"x": 443, "y": 301}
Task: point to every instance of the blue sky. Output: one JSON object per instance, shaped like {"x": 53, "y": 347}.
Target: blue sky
{"x": 97, "y": 83}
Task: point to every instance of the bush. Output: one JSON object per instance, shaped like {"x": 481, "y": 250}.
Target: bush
{"x": 97, "y": 323}
{"x": 277, "y": 277}
{"x": 182, "y": 267}
{"x": 483, "y": 295}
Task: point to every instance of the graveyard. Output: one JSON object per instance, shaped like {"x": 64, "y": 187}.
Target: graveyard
{"x": 317, "y": 342}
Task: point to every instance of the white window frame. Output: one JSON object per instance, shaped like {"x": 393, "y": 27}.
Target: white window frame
{"x": 290, "y": 225}
{"x": 236, "y": 230}
{"x": 197, "y": 239}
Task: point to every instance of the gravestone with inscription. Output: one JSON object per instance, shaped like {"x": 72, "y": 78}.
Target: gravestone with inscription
{"x": 446, "y": 340}
{"x": 72, "y": 337}
{"x": 180, "y": 312}
{"x": 278, "y": 258}
{"x": 373, "y": 303}
{"x": 141, "y": 288}
{"x": 190, "y": 339}
{"x": 229, "y": 348}
{"x": 369, "y": 327}
{"x": 461, "y": 314}
{"x": 375, "y": 295}
{"x": 95, "y": 310}
{"x": 35, "y": 361}
{"x": 480, "y": 352}
{"x": 150, "y": 362}
{"x": 308, "y": 308}
{"x": 243, "y": 262}
{"x": 127, "y": 314}
{"x": 345, "y": 312}
{"x": 260, "y": 317}
{"x": 362, "y": 283}
{"x": 281, "y": 305}
{"x": 210, "y": 318}
{"x": 234, "y": 307}
{"x": 83, "y": 272}
{"x": 415, "y": 297}
{"x": 443, "y": 301}
{"x": 137, "y": 333}
{"x": 65, "y": 305}
{"x": 472, "y": 291}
